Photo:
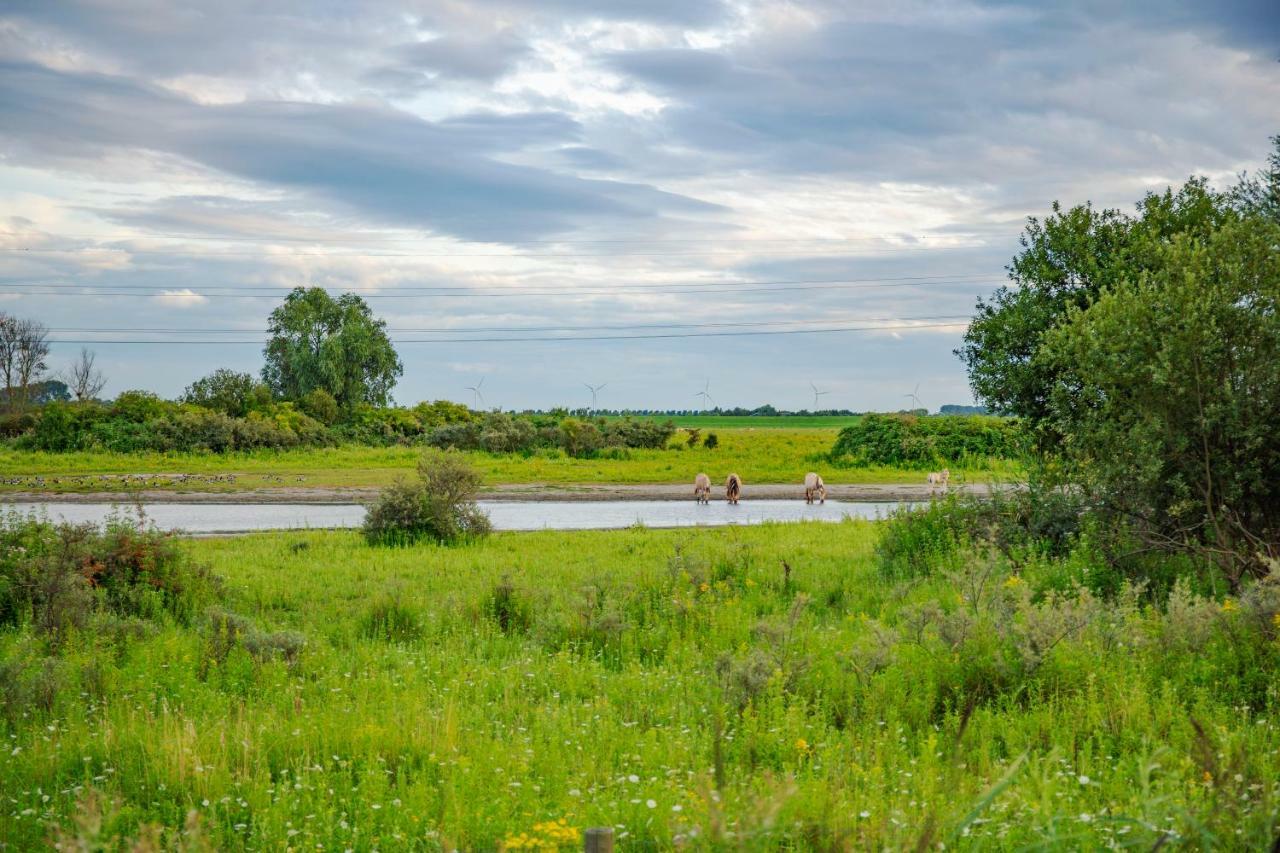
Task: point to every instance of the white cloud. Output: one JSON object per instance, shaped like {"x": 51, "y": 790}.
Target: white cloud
{"x": 184, "y": 298}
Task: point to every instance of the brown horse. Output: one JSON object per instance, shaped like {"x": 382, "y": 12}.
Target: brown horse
{"x": 702, "y": 489}
{"x": 732, "y": 488}
{"x": 814, "y": 488}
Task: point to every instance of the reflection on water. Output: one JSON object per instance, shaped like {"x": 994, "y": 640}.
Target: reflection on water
{"x": 506, "y": 515}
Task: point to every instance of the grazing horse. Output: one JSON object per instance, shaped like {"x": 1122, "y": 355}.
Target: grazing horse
{"x": 814, "y": 488}
{"x": 702, "y": 489}
{"x": 732, "y": 488}
{"x": 940, "y": 478}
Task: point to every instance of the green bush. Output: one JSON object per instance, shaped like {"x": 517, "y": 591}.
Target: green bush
{"x": 909, "y": 441}
{"x": 440, "y": 505}
{"x": 55, "y": 577}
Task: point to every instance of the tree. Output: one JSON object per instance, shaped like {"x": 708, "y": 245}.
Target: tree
{"x": 1167, "y": 390}
{"x": 1259, "y": 194}
{"x": 337, "y": 345}
{"x": 24, "y": 348}
{"x": 86, "y": 381}
{"x": 229, "y": 392}
{"x": 1067, "y": 260}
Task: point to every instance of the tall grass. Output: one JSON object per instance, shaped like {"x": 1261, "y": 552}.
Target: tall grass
{"x": 760, "y": 688}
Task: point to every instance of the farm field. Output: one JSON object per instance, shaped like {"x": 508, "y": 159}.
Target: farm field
{"x": 759, "y": 456}
{"x": 713, "y": 423}
{"x": 680, "y": 686}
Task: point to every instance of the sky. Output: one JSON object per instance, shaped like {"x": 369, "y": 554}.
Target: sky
{"x": 755, "y": 199}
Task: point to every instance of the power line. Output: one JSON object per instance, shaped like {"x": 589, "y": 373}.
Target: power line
{"x": 346, "y": 254}
{"x": 957, "y": 278}
{"x": 378, "y": 238}
{"x": 484, "y": 329}
{"x": 509, "y": 292}
{"x": 562, "y": 339}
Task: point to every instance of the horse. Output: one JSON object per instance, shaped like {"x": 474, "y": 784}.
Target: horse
{"x": 814, "y": 488}
{"x": 940, "y": 478}
{"x": 732, "y": 488}
{"x": 702, "y": 489}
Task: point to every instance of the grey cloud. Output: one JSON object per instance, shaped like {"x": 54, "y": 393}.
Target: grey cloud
{"x": 465, "y": 58}
{"x": 388, "y": 164}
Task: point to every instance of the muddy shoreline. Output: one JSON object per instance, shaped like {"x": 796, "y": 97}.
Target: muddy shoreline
{"x": 517, "y": 492}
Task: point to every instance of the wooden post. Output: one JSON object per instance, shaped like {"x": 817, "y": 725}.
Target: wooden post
{"x": 598, "y": 839}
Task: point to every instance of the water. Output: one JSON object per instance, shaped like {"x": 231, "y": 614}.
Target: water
{"x": 506, "y": 515}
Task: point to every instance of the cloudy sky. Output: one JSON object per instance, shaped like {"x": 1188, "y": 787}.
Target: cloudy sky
{"x": 652, "y": 194}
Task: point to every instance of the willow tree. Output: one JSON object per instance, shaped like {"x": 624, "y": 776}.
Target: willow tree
{"x": 336, "y": 345}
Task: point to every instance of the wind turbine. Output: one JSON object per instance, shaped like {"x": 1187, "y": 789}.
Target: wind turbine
{"x": 594, "y": 389}
{"x": 705, "y": 394}
{"x": 816, "y": 395}
{"x": 475, "y": 389}
{"x": 915, "y": 396}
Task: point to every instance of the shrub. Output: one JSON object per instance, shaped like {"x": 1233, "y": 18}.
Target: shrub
{"x": 920, "y": 442}
{"x": 320, "y": 405}
{"x": 55, "y": 577}
{"x": 711, "y": 442}
{"x": 440, "y": 505}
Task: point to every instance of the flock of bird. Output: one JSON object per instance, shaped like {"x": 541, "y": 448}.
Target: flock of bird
{"x": 135, "y": 481}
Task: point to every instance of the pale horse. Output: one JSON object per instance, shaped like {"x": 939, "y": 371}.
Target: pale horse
{"x": 814, "y": 488}
{"x": 732, "y": 488}
{"x": 702, "y": 489}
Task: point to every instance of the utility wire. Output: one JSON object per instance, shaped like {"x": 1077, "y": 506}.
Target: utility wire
{"x": 563, "y": 339}
{"x": 60, "y": 283}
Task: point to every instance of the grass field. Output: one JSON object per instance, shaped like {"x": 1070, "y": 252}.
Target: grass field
{"x": 759, "y": 456}
{"x": 680, "y": 686}
{"x": 714, "y": 423}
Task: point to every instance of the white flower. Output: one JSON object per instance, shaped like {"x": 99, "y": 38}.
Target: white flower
{"x": 651, "y": 804}
{"x": 677, "y": 807}
{"x": 864, "y": 814}
{"x": 1084, "y": 780}
{"x": 1085, "y": 817}
{"x": 633, "y": 778}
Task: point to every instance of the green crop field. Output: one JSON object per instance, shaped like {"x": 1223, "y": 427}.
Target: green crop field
{"x": 756, "y": 688}
{"x": 712, "y": 423}
{"x": 759, "y": 456}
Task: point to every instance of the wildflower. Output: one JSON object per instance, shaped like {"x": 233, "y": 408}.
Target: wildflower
{"x": 704, "y": 586}
{"x": 1083, "y": 780}
{"x": 1208, "y": 778}
{"x": 1013, "y": 582}
{"x": 653, "y": 804}
{"x": 1229, "y": 606}
{"x": 802, "y": 745}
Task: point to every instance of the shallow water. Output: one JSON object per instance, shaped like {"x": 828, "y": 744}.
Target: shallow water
{"x": 506, "y": 515}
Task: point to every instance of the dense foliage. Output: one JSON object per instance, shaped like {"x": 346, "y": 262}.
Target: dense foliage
{"x": 1169, "y": 390}
{"x": 1142, "y": 353}
{"x": 318, "y": 342}
{"x": 910, "y": 441}
{"x": 497, "y": 432}
{"x": 57, "y": 577}
{"x": 440, "y": 505}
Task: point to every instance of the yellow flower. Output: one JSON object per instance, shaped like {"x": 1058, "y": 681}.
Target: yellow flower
{"x": 802, "y": 745}
{"x": 1013, "y": 582}
{"x": 1228, "y": 606}
{"x": 1208, "y": 778}
{"x": 705, "y": 587}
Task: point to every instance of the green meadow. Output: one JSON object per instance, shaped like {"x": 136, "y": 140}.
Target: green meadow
{"x": 758, "y": 455}
{"x": 743, "y": 688}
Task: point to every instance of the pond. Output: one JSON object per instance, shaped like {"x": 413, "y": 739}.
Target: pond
{"x": 210, "y": 518}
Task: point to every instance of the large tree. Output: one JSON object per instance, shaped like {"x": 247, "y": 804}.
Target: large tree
{"x": 333, "y": 344}
{"x": 1167, "y": 393}
{"x": 1067, "y": 260}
